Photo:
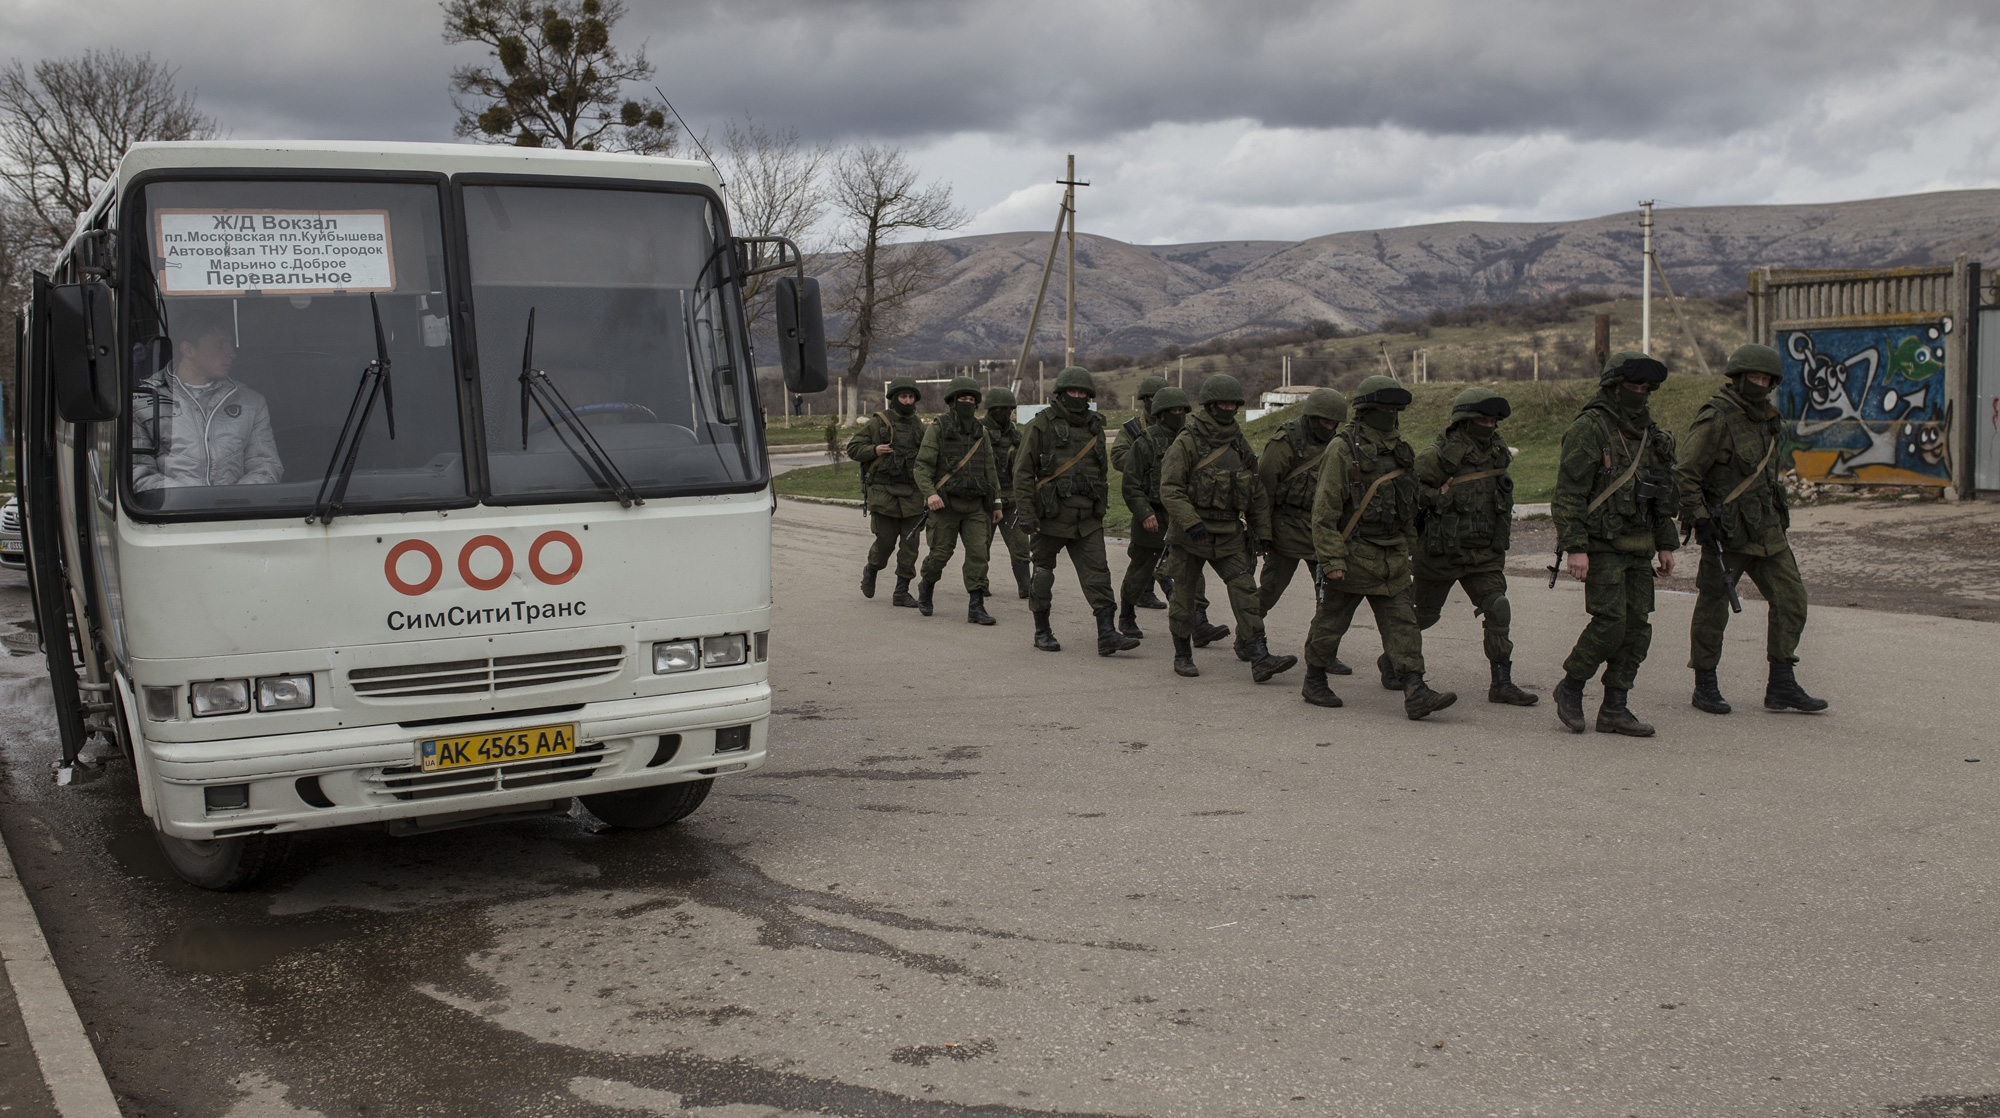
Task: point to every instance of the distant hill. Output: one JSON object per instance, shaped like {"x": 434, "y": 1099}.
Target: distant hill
{"x": 1136, "y": 298}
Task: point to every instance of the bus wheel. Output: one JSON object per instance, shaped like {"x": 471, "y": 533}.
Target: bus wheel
{"x": 223, "y": 864}
{"x": 642, "y": 809}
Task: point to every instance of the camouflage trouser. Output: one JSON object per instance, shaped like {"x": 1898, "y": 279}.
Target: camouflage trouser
{"x": 1619, "y": 595}
{"x": 1086, "y": 554}
{"x": 1141, "y": 568}
{"x": 1394, "y": 616}
{"x": 1019, "y": 543}
{"x": 1236, "y": 568}
{"x": 1488, "y": 592}
{"x": 1777, "y": 579}
{"x": 1278, "y": 572}
{"x": 894, "y": 533}
{"x": 946, "y": 529}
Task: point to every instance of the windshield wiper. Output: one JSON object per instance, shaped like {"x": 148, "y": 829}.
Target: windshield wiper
{"x": 347, "y": 448}
{"x": 548, "y": 399}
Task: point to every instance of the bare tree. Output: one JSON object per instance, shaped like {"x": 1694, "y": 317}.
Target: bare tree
{"x": 776, "y": 188}
{"x": 559, "y": 83}
{"x": 878, "y": 201}
{"x": 64, "y": 128}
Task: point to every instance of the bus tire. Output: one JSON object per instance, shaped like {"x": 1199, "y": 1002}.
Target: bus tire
{"x": 223, "y": 864}
{"x": 642, "y": 809}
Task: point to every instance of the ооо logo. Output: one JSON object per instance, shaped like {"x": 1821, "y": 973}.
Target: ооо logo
{"x": 537, "y": 553}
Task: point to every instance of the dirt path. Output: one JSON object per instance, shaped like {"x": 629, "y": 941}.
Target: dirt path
{"x": 1904, "y": 556}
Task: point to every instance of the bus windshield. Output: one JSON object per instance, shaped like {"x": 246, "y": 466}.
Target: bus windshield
{"x": 250, "y": 328}
{"x": 635, "y": 328}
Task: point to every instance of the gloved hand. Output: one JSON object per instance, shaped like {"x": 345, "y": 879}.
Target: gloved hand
{"x": 1198, "y": 533}
{"x": 1263, "y": 548}
{"x": 1028, "y": 524}
{"x": 1705, "y": 534}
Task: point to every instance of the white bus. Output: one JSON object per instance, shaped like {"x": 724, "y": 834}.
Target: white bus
{"x": 403, "y": 484}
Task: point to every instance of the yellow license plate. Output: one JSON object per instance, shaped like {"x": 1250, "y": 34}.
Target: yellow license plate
{"x": 531, "y": 744}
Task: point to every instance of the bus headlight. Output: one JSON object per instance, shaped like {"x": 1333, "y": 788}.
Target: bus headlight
{"x": 219, "y": 696}
{"x": 721, "y": 652}
{"x": 676, "y": 656}
{"x": 285, "y": 692}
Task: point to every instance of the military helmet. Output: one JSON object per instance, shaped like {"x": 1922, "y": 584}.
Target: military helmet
{"x": 1220, "y": 387}
{"x": 1479, "y": 402}
{"x": 1149, "y": 387}
{"x": 999, "y": 398}
{"x": 1630, "y": 364}
{"x": 1169, "y": 398}
{"x": 1755, "y": 359}
{"x": 1076, "y": 377}
{"x": 898, "y": 385}
{"x": 1381, "y": 391}
{"x": 959, "y": 386}
{"x": 1327, "y": 404}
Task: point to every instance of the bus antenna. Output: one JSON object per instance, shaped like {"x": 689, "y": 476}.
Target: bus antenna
{"x": 691, "y": 135}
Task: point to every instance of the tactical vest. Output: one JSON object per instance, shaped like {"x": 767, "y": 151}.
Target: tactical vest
{"x": 1159, "y": 438}
{"x": 1393, "y": 508}
{"x": 1472, "y": 516}
{"x": 1295, "y": 488}
{"x": 954, "y": 442}
{"x": 1746, "y": 449}
{"x": 1082, "y": 486}
{"x": 1222, "y": 486}
{"x": 895, "y": 473}
{"x": 1633, "y": 501}
{"x": 1005, "y": 439}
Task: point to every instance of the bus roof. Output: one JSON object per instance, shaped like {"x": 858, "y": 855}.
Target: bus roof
{"x": 372, "y": 155}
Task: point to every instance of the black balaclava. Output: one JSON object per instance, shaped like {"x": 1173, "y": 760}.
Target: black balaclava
{"x": 1221, "y": 415}
{"x": 902, "y": 408}
{"x": 1381, "y": 419}
{"x": 1315, "y": 432}
{"x": 1173, "y": 419}
{"x": 1075, "y": 405}
{"x": 965, "y": 409}
{"x": 1754, "y": 393}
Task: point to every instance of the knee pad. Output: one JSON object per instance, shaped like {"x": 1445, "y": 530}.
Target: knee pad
{"x": 1499, "y": 613}
{"x": 1043, "y": 583}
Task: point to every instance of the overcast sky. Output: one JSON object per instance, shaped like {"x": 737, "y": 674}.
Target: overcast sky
{"x": 1199, "y": 119}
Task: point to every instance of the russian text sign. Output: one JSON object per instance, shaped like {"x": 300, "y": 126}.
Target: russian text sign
{"x": 214, "y": 252}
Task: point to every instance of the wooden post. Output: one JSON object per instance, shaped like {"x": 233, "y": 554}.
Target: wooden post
{"x": 1603, "y": 341}
{"x": 1035, "y": 316}
{"x": 1070, "y": 184}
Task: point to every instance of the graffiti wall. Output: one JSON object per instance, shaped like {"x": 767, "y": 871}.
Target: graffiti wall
{"x": 1867, "y": 404}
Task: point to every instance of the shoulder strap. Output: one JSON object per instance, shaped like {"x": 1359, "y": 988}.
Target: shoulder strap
{"x": 976, "y": 444}
{"x": 1469, "y": 478}
{"x": 1355, "y": 520}
{"x": 868, "y": 467}
{"x": 1757, "y": 473}
{"x": 1216, "y": 453}
{"x": 1622, "y": 478}
{"x": 1307, "y": 464}
{"x": 1064, "y": 468}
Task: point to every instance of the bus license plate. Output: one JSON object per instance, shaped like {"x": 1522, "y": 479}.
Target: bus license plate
{"x": 531, "y": 744}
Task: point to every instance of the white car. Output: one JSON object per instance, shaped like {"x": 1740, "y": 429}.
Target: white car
{"x": 11, "y": 553}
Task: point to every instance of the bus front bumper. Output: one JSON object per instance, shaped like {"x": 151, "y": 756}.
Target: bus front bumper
{"x": 339, "y": 778}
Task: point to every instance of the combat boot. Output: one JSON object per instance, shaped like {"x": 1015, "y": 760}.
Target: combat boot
{"x": 1243, "y": 652}
{"x": 1339, "y": 668}
{"x": 1419, "y": 701}
{"x": 1502, "y": 689}
{"x": 1206, "y": 634}
{"x": 868, "y": 580}
{"x": 1021, "y": 576}
{"x": 1569, "y": 704}
{"x": 1784, "y": 692}
{"x": 1128, "y": 623}
{"x": 1184, "y": 658}
{"x": 1614, "y": 718}
{"x": 1392, "y": 680}
{"x": 1263, "y": 665}
{"x": 1707, "y": 693}
{"x": 1149, "y": 600}
{"x": 1316, "y": 691}
{"x": 1045, "y": 639}
{"x": 1109, "y": 639}
{"x": 975, "y": 609}
{"x": 902, "y": 595}
{"x": 925, "y": 602}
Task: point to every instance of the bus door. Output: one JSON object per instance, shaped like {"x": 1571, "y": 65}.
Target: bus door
{"x": 42, "y": 524}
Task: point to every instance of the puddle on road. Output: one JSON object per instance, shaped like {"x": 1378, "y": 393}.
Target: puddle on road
{"x": 234, "y": 948}
{"x": 138, "y": 855}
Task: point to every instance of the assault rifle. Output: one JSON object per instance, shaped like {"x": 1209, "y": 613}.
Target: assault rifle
{"x": 1711, "y": 545}
{"x": 1555, "y": 568}
{"x": 922, "y": 519}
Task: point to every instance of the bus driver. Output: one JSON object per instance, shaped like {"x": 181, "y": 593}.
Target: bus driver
{"x": 193, "y": 425}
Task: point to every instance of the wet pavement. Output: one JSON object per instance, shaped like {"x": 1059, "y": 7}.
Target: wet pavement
{"x": 979, "y": 879}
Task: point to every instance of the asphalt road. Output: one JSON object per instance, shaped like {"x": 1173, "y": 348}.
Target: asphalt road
{"x": 984, "y": 880}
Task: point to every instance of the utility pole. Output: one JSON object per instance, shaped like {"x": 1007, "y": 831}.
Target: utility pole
{"x": 1070, "y": 184}
{"x": 1601, "y": 346}
{"x": 1181, "y": 382}
{"x": 1646, "y": 287}
{"x": 1035, "y": 316}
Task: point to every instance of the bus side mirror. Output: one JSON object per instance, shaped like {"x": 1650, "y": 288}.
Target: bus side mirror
{"x": 801, "y": 333}
{"x": 82, "y": 366}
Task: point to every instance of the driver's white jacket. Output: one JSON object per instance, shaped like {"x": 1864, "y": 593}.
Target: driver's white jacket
{"x": 216, "y": 434}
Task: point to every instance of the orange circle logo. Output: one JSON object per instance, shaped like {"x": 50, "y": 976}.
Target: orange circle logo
{"x": 543, "y": 573}
{"x": 472, "y": 546}
{"x": 396, "y": 554}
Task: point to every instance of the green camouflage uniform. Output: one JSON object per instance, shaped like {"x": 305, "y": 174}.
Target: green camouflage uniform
{"x": 1209, "y": 476}
{"x": 1289, "y": 471}
{"x": 893, "y": 501}
{"x": 1732, "y": 449}
{"x": 956, "y": 462}
{"x": 1065, "y": 511}
{"x": 1006, "y": 440}
{"x": 1466, "y": 530}
{"x": 1375, "y": 555}
{"x": 1140, "y": 486}
{"x": 1621, "y": 535}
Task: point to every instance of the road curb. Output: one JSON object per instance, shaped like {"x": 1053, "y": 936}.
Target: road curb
{"x": 69, "y": 1064}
